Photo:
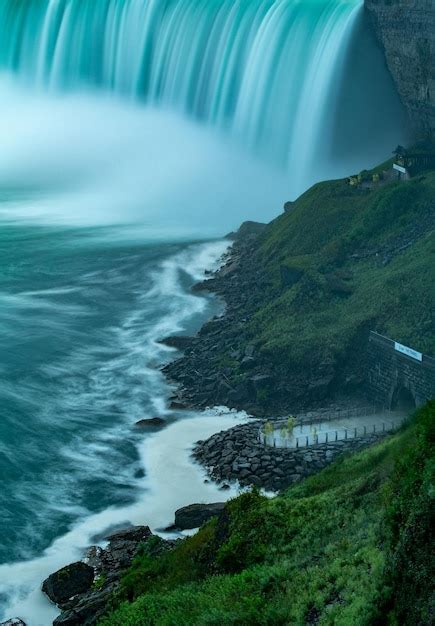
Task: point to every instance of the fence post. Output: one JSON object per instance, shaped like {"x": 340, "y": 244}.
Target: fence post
{"x": 326, "y": 437}
{"x": 306, "y": 443}
{"x": 336, "y": 435}
{"x": 345, "y": 433}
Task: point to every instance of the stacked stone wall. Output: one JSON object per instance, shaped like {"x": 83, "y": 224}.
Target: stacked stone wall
{"x": 389, "y": 371}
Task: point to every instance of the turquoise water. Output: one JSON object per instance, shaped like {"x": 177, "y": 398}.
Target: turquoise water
{"x": 273, "y": 74}
{"x": 73, "y": 318}
{"x": 134, "y": 135}
{"x": 81, "y": 313}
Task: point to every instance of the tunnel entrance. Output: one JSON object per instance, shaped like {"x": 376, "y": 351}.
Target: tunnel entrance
{"x": 402, "y": 400}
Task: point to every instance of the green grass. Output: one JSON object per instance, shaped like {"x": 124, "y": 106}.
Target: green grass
{"x": 349, "y": 546}
{"x": 347, "y": 271}
{"x": 310, "y": 323}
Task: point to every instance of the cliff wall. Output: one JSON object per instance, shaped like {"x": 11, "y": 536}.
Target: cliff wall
{"x": 406, "y": 30}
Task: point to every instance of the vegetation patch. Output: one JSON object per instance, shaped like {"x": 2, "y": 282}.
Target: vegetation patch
{"x": 349, "y": 546}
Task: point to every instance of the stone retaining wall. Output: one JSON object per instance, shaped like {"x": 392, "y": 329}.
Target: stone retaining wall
{"x": 390, "y": 371}
{"x": 237, "y": 454}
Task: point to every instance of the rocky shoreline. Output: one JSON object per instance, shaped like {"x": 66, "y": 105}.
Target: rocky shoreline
{"x": 222, "y": 365}
{"x": 83, "y": 591}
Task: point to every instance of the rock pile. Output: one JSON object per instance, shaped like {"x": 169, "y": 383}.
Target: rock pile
{"x": 82, "y": 590}
{"x": 237, "y": 455}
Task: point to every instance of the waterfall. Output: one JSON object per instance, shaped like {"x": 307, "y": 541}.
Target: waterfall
{"x": 266, "y": 71}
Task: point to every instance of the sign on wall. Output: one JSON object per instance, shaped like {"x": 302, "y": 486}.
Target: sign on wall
{"x": 399, "y": 168}
{"x": 408, "y": 351}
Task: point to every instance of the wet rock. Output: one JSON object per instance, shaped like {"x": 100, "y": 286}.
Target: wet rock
{"x": 195, "y": 515}
{"x": 15, "y": 621}
{"x": 153, "y": 422}
{"x": 181, "y": 343}
{"x": 178, "y": 405}
{"x": 107, "y": 565}
{"x": 87, "y": 611}
{"x": 68, "y": 582}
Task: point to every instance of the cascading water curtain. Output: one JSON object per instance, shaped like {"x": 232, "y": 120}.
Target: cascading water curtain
{"x": 260, "y": 68}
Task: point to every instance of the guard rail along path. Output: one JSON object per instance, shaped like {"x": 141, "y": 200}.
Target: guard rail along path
{"x": 270, "y": 460}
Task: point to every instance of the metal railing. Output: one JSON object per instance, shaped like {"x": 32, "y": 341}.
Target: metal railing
{"x": 315, "y": 437}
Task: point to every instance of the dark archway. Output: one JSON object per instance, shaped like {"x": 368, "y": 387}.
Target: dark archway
{"x": 402, "y": 400}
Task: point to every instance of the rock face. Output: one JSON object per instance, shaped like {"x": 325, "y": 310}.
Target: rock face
{"x": 13, "y": 622}
{"x": 196, "y": 515}
{"x": 68, "y": 582}
{"x": 406, "y": 30}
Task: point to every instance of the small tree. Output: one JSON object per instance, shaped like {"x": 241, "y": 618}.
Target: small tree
{"x": 268, "y": 429}
{"x": 291, "y": 423}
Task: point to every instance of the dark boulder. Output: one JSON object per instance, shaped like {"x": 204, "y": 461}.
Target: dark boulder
{"x": 13, "y": 622}
{"x": 87, "y": 611}
{"x": 195, "y": 515}
{"x": 177, "y": 406}
{"x": 68, "y": 582}
{"x": 181, "y": 343}
{"x": 152, "y": 422}
{"x": 122, "y": 548}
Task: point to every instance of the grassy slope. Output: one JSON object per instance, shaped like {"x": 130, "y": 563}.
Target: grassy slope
{"x": 349, "y": 546}
{"x": 309, "y": 322}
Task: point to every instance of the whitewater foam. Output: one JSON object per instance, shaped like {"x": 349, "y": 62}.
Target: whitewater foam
{"x": 172, "y": 480}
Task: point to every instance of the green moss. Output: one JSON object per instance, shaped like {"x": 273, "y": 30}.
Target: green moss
{"x": 339, "y": 549}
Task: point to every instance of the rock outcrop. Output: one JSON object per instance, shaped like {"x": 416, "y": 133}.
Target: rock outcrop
{"x": 69, "y": 581}
{"x": 83, "y": 590}
{"x": 195, "y": 515}
{"x": 152, "y": 422}
{"x": 406, "y": 30}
